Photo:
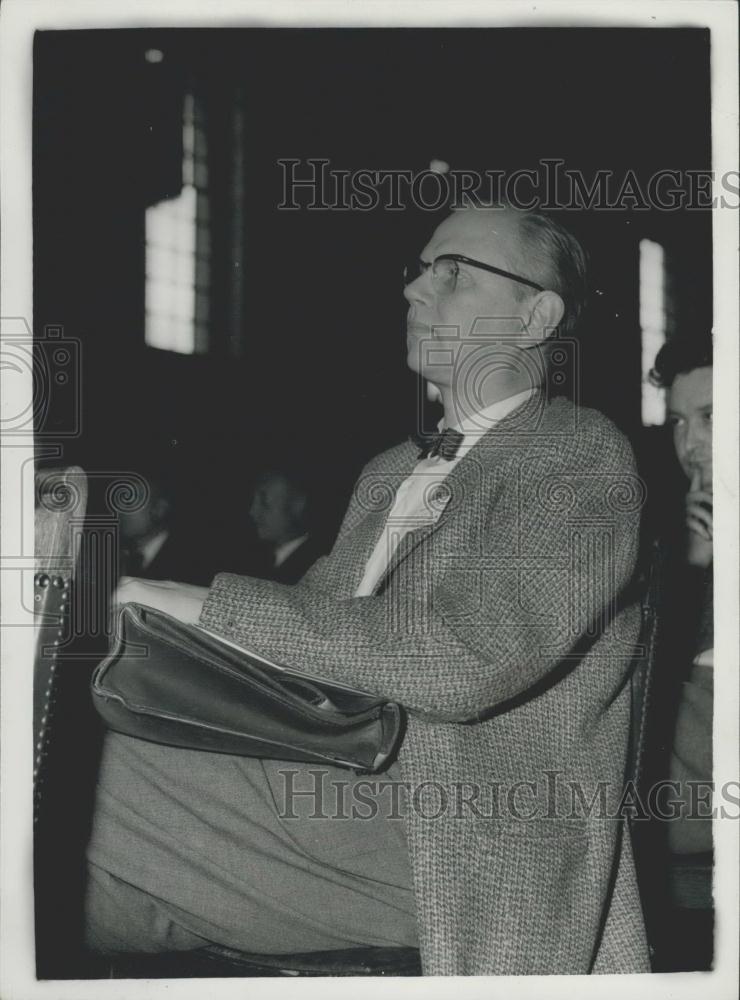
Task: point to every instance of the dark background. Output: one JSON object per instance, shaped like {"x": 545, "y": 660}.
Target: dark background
{"x": 319, "y": 354}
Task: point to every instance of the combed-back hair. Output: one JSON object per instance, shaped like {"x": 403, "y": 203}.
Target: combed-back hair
{"x": 555, "y": 259}
{"x": 679, "y": 355}
{"x": 549, "y": 254}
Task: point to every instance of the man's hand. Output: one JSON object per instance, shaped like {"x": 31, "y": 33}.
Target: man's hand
{"x": 183, "y": 601}
{"x": 699, "y": 521}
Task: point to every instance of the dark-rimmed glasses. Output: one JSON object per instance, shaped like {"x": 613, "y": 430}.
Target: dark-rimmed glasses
{"x": 445, "y": 272}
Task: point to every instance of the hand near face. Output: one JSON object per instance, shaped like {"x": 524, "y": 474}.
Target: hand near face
{"x": 699, "y": 521}
{"x": 183, "y": 601}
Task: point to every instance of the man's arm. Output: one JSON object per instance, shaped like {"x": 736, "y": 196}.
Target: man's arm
{"x": 494, "y": 626}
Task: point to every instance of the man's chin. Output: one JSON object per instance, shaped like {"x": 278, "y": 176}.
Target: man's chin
{"x": 413, "y": 361}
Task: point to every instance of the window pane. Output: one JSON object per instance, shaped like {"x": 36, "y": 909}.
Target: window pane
{"x": 652, "y": 326}
{"x": 176, "y": 230}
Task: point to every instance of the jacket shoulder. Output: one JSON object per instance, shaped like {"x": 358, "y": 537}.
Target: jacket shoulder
{"x": 590, "y": 430}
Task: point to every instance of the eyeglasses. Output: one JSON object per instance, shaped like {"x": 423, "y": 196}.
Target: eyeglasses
{"x": 445, "y": 271}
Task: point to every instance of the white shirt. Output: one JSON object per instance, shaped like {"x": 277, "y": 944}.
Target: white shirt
{"x": 421, "y": 498}
{"x": 287, "y": 549}
{"x": 150, "y": 549}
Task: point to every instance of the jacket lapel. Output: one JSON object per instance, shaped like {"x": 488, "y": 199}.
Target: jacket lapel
{"x": 466, "y": 479}
{"x": 376, "y": 498}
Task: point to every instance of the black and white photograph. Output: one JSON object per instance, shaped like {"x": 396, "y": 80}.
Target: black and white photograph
{"x": 360, "y": 483}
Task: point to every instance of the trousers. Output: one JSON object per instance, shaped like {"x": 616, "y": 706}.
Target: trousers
{"x": 189, "y": 847}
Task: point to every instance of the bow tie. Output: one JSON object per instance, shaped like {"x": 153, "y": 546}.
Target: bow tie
{"x": 444, "y": 444}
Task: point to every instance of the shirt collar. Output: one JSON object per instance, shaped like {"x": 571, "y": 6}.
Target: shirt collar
{"x": 150, "y": 549}
{"x": 287, "y": 549}
{"x": 475, "y": 425}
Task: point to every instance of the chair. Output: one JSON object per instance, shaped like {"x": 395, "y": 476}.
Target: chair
{"x": 643, "y": 671}
{"x": 219, "y": 962}
{"x": 62, "y": 753}
{"x": 676, "y": 890}
{"x": 60, "y": 505}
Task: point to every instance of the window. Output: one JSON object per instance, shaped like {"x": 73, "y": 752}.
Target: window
{"x": 178, "y": 251}
{"x": 652, "y": 326}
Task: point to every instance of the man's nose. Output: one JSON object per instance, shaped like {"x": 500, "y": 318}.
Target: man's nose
{"x": 697, "y": 440}
{"x": 419, "y": 290}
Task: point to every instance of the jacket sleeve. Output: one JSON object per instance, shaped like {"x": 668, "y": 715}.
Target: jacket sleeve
{"x": 492, "y": 620}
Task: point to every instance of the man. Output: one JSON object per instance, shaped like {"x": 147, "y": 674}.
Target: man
{"x": 281, "y": 514}
{"x": 684, "y": 366}
{"x": 479, "y": 585}
{"x": 153, "y": 546}
{"x": 145, "y": 530}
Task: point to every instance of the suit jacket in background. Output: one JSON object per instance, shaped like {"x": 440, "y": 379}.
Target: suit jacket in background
{"x": 299, "y": 561}
{"x": 500, "y": 629}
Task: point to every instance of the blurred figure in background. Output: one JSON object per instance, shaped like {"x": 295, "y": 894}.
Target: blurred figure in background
{"x": 155, "y": 545}
{"x": 684, "y": 367}
{"x": 145, "y": 530}
{"x": 281, "y": 512}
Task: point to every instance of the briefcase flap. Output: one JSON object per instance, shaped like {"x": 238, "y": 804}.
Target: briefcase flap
{"x": 181, "y": 685}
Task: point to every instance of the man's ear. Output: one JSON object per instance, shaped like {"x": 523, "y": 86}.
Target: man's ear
{"x": 545, "y": 316}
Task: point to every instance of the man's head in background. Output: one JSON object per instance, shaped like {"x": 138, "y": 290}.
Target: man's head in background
{"x": 684, "y": 367}
{"x": 280, "y": 507}
{"x": 149, "y": 512}
{"x": 524, "y": 278}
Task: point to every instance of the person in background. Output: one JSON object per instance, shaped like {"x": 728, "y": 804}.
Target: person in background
{"x": 145, "y": 530}
{"x": 684, "y": 367}
{"x": 157, "y": 545}
{"x": 281, "y": 512}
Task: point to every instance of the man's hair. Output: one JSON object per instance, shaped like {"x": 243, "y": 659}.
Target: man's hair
{"x": 680, "y": 355}
{"x": 550, "y": 255}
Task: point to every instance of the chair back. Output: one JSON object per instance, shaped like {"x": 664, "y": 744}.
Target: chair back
{"x": 60, "y": 505}
{"x": 643, "y": 672}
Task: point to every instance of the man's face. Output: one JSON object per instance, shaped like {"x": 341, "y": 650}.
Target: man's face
{"x": 482, "y": 303}
{"x": 690, "y": 413}
{"x": 145, "y": 519}
{"x": 273, "y": 510}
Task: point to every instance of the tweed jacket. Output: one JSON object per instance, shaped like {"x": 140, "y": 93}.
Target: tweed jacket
{"x": 502, "y": 630}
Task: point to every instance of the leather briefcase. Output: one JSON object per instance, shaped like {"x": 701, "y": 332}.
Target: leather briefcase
{"x": 184, "y": 686}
